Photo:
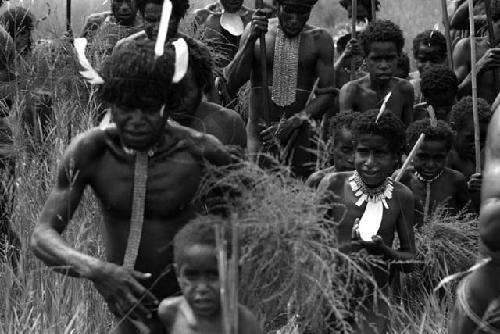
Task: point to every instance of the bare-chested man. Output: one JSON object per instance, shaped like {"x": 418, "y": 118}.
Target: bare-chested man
{"x": 297, "y": 54}
{"x": 382, "y": 44}
{"x": 478, "y": 294}
{"x": 168, "y": 162}
{"x": 489, "y": 61}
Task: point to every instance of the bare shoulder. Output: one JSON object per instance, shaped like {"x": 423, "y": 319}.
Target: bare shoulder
{"x": 402, "y": 192}
{"x": 86, "y": 147}
{"x": 462, "y": 45}
{"x": 352, "y": 87}
{"x": 457, "y": 177}
{"x": 334, "y": 181}
{"x": 167, "y": 310}
{"x": 249, "y": 324}
{"x": 320, "y": 36}
{"x": 404, "y": 86}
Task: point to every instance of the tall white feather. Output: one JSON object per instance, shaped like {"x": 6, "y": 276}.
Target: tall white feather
{"x": 89, "y": 74}
{"x": 181, "y": 59}
{"x": 163, "y": 29}
{"x": 383, "y": 107}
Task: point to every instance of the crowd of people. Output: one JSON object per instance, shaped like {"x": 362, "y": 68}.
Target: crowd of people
{"x": 400, "y": 146}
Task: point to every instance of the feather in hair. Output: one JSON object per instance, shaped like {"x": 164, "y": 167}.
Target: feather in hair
{"x": 181, "y": 59}
{"x": 89, "y": 74}
{"x": 163, "y": 29}
{"x": 434, "y": 30}
{"x": 432, "y": 116}
{"x": 383, "y": 107}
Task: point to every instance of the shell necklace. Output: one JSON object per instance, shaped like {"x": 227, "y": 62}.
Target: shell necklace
{"x": 376, "y": 201}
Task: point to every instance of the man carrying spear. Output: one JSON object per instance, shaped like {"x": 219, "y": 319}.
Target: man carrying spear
{"x": 297, "y": 54}
{"x": 488, "y": 54}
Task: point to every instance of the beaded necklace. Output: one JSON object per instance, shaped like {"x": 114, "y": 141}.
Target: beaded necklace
{"x": 376, "y": 201}
{"x": 285, "y": 68}
{"x": 428, "y": 184}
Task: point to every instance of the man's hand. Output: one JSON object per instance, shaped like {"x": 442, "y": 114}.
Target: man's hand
{"x": 353, "y": 48}
{"x": 490, "y": 60}
{"x": 281, "y": 133}
{"x": 259, "y": 23}
{"x": 123, "y": 293}
{"x": 374, "y": 247}
{"x": 475, "y": 182}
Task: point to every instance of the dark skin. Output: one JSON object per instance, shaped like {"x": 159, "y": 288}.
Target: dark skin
{"x": 315, "y": 60}
{"x": 483, "y": 288}
{"x": 374, "y": 161}
{"x": 344, "y": 63}
{"x": 224, "y": 43}
{"x": 343, "y": 157}
{"x": 124, "y": 12}
{"x": 368, "y": 92}
{"x": 427, "y": 56}
{"x": 97, "y": 159}
{"x": 488, "y": 62}
{"x": 450, "y": 189}
{"x": 198, "y": 311}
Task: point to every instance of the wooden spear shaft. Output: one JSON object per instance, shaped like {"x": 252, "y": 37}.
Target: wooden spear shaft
{"x": 374, "y": 10}
{"x": 354, "y": 13}
{"x": 474, "y": 87}
{"x": 447, "y": 34}
{"x": 68, "y": 18}
{"x": 259, "y": 4}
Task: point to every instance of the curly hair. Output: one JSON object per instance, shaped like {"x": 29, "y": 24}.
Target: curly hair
{"x": 382, "y": 31}
{"x": 200, "y": 231}
{"x": 461, "y": 113}
{"x": 438, "y": 79}
{"x": 179, "y": 7}
{"x": 201, "y": 62}
{"x": 404, "y": 65}
{"x": 341, "y": 121}
{"x": 16, "y": 20}
{"x": 441, "y": 132}
{"x": 389, "y": 127}
{"x": 132, "y": 71}
{"x": 431, "y": 38}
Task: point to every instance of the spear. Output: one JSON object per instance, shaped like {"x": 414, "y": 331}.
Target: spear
{"x": 374, "y": 10}
{"x": 491, "y": 36}
{"x": 68, "y": 18}
{"x": 259, "y": 4}
{"x": 354, "y": 13}
{"x": 447, "y": 35}
{"x": 474, "y": 87}
{"x": 221, "y": 246}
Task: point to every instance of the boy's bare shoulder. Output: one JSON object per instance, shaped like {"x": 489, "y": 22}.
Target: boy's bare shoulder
{"x": 457, "y": 177}
{"x": 335, "y": 180}
{"x": 404, "y": 85}
{"x": 168, "y": 309}
{"x": 249, "y": 324}
{"x": 402, "y": 191}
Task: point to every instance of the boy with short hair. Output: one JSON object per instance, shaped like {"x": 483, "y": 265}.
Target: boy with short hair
{"x": 373, "y": 207}
{"x": 429, "y": 48}
{"x": 462, "y": 156}
{"x": 343, "y": 148}
{"x": 439, "y": 87}
{"x": 198, "y": 310}
{"x": 382, "y": 43}
{"x": 431, "y": 182}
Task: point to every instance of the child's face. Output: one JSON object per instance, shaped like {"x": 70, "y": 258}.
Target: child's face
{"x": 464, "y": 139}
{"x": 293, "y": 18}
{"x": 382, "y": 61}
{"x": 373, "y": 159}
{"x": 139, "y": 126}
{"x": 343, "y": 151}
{"x": 188, "y": 99}
{"x": 198, "y": 278}
{"x": 430, "y": 159}
{"x": 124, "y": 11}
{"x": 362, "y": 11}
{"x": 152, "y": 17}
{"x": 428, "y": 56}
{"x": 232, "y": 6}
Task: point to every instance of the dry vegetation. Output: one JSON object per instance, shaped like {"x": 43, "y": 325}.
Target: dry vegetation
{"x": 287, "y": 258}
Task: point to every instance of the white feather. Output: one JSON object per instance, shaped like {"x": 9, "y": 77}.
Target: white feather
{"x": 89, "y": 74}
{"x": 181, "y": 59}
{"x": 432, "y": 116}
{"x": 383, "y": 107}
{"x": 163, "y": 29}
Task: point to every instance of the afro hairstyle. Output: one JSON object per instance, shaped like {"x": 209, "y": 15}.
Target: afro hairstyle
{"x": 438, "y": 79}
{"x": 382, "y": 31}
{"x": 441, "y": 132}
{"x": 201, "y": 63}
{"x": 388, "y": 126}
{"x": 431, "y": 38}
{"x": 403, "y": 66}
{"x": 341, "y": 121}
{"x": 461, "y": 113}
{"x": 132, "y": 73}
{"x": 179, "y": 7}
{"x": 200, "y": 231}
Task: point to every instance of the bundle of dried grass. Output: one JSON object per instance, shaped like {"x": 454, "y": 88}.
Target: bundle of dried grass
{"x": 291, "y": 267}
